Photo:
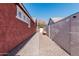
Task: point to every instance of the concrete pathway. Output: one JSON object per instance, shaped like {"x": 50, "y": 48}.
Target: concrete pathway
{"x": 41, "y": 45}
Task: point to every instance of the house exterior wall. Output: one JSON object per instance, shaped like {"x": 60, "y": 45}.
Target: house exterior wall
{"x": 66, "y": 34}
{"x": 12, "y": 30}
{"x": 62, "y": 36}
{"x": 75, "y": 35}
{"x": 23, "y": 17}
{"x": 59, "y": 32}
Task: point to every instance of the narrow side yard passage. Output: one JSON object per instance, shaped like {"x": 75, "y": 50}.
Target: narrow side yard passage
{"x": 41, "y": 45}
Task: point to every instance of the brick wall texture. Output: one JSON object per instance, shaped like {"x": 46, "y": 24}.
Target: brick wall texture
{"x": 12, "y": 30}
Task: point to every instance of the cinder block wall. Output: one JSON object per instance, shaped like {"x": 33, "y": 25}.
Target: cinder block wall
{"x": 67, "y": 34}
{"x": 12, "y": 30}
{"x": 75, "y": 35}
{"x": 62, "y": 36}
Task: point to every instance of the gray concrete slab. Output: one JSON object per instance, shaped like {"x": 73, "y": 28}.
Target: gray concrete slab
{"x": 41, "y": 45}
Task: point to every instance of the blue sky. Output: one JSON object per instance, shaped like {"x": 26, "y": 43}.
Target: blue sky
{"x": 46, "y": 10}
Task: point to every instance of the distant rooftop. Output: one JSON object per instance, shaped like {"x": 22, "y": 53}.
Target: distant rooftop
{"x": 56, "y": 19}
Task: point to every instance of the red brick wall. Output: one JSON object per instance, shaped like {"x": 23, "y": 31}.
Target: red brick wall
{"x": 12, "y": 30}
